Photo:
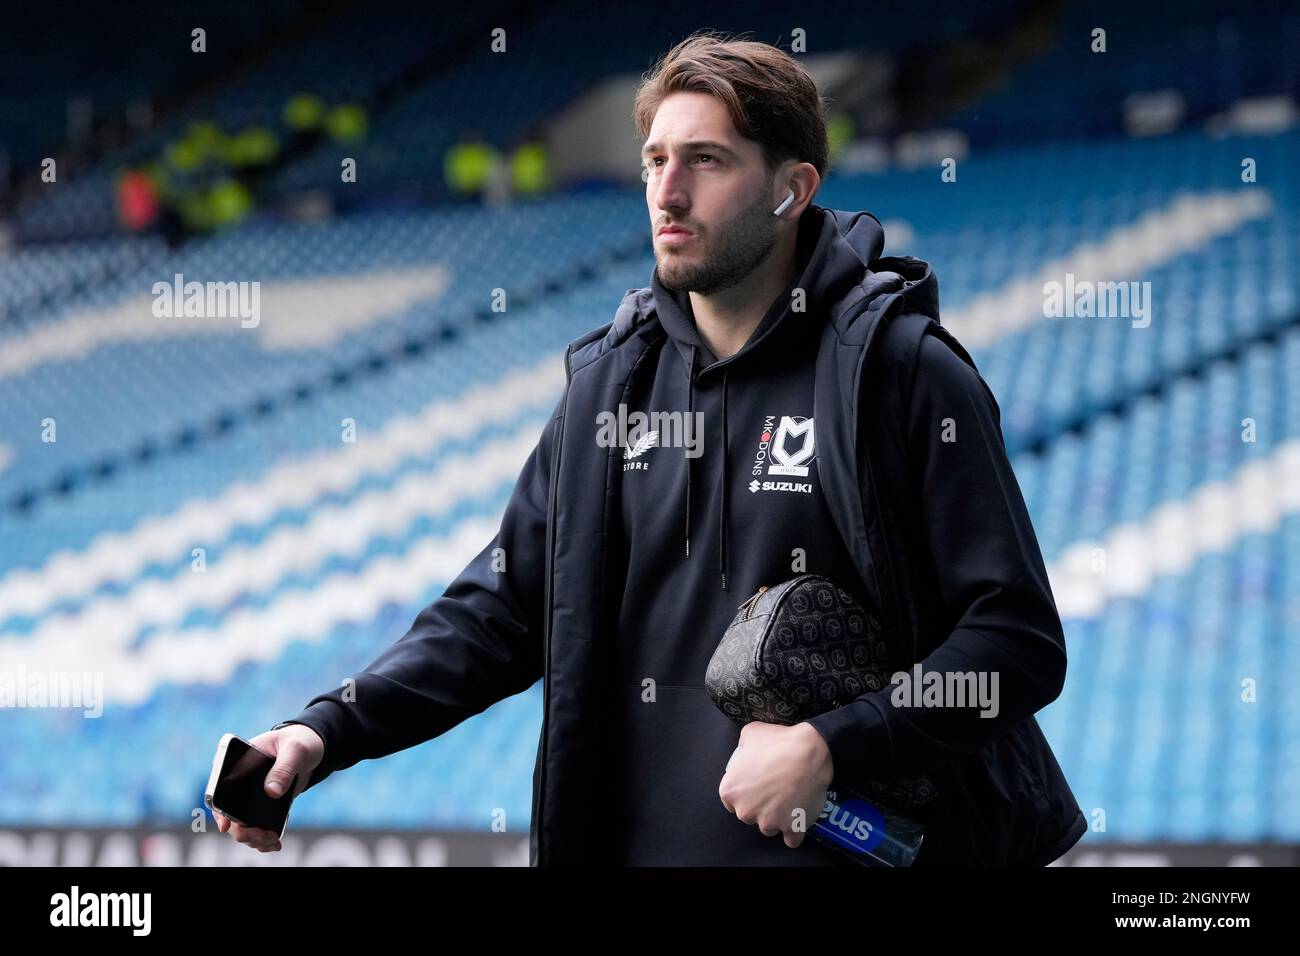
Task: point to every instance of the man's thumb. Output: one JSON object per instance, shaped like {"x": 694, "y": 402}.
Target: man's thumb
{"x": 280, "y": 776}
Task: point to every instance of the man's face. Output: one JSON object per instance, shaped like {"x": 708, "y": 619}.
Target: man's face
{"x": 721, "y": 193}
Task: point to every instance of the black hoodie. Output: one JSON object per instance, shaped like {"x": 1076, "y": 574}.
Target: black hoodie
{"x": 753, "y": 492}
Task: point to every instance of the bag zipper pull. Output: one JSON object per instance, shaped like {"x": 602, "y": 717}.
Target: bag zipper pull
{"x": 750, "y": 602}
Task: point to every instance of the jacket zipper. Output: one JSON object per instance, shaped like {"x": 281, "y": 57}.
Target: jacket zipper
{"x": 892, "y": 611}
{"x": 552, "y": 497}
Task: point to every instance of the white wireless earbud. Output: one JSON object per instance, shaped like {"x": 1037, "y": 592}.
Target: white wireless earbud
{"x": 785, "y": 205}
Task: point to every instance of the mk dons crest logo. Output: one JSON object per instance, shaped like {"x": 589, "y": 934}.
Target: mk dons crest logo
{"x": 789, "y": 453}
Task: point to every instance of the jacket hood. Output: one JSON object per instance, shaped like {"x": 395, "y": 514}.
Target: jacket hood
{"x": 833, "y": 250}
{"x": 843, "y": 276}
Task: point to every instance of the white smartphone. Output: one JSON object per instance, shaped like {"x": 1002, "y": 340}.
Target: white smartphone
{"x": 236, "y": 786}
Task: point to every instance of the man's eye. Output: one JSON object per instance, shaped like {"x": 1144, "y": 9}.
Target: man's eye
{"x": 654, "y": 164}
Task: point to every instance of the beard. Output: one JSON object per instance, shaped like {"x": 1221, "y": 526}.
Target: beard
{"x": 724, "y": 256}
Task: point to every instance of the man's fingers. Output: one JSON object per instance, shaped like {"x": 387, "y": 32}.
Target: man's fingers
{"x": 253, "y": 836}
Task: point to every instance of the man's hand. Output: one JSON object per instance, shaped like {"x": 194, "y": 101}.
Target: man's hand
{"x": 775, "y": 771}
{"x": 297, "y": 750}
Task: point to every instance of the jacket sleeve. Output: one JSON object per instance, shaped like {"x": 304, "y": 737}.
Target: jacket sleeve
{"x": 991, "y": 579}
{"x": 479, "y": 642}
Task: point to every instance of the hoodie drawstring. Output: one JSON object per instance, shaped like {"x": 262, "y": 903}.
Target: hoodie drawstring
{"x": 690, "y": 416}
{"x": 723, "y": 518}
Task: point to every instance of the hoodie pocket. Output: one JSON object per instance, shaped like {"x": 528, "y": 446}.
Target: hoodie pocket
{"x": 665, "y": 771}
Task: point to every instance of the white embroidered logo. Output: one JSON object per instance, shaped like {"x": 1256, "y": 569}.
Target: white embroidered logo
{"x": 643, "y": 444}
{"x": 792, "y": 464}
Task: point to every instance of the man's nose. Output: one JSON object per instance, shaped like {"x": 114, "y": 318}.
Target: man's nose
{"x": 672, "y": 194}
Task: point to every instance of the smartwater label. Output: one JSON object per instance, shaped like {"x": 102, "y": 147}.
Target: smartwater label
{"x": 860, "y": 828}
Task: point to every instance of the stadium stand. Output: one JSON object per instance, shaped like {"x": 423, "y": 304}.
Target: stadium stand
{"x": 317, "y": 552}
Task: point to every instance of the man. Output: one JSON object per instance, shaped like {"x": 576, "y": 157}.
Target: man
{"x": 842, "y": 431}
